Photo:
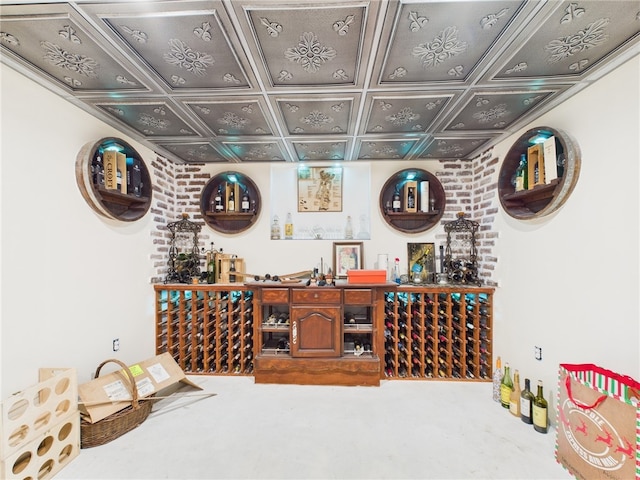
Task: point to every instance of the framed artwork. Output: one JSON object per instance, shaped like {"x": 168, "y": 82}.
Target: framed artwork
{"x": 346, "y": 256}
{"x": 320, "y": 189}
{"x": 422, "y": 262}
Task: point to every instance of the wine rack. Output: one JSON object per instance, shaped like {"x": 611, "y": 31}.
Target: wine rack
{"x": 422, "y": 332}
{"x": 208, "y": 329}
{"x": 438, "y": 333}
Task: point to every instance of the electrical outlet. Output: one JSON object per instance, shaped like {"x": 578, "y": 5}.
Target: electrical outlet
{"x": 537, "y": 353}
{"x": 116, "y": 344}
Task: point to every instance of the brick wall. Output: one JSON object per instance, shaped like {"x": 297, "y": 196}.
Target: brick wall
{"x": 470, "y": 187}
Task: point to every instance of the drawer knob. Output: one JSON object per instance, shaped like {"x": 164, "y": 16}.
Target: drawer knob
{"x": 315, "y": 295}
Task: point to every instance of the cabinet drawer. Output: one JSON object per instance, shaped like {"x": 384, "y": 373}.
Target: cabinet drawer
{"x": 275, "y": 295}
{"x": 360, "y": 296}
{"x": 316, "y": 296}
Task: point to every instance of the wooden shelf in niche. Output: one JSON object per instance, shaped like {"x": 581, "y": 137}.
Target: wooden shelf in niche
{"x": 236, "y": 221}
{"x": 542, "y": 199}
{"x": 111, "y": 203}
{"x": 410, "y": 222}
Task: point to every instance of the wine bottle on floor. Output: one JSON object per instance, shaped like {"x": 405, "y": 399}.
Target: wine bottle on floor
{"x": 514, "y": 400}
{"x": 540, "y": 419}
{"x": 526, "y": 403}
{"x": 497, "y": 380}
{"x": 506, "y": 387}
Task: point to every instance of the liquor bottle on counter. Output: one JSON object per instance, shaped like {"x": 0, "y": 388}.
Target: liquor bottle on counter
{"x": 288, "y": 227}
{"x": 245, "y": 205}
{"x": 396, "y": 271}
{"x": 540, "y": 419}
{"x": 526, "y": 403}
{"x": 506, "y": 387}
{"x": 275, "y": 228}
{"x": 396, "y": 203}
{"x": 348, "y": 229}
{"x": 231, "y": 204}
{"x": 218, "y": 201}
{"x": 514, "y": 399}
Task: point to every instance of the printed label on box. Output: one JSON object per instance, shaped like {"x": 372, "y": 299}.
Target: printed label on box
{"x": 158, "y": 372}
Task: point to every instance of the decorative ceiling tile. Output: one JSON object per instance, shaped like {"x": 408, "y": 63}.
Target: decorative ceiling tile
{"x": 442, "y": 41}
{"x": 310, "y": 45}
{"x": 196, "y": 152}
{"x": 238, "y": 117}
{"x": 309, "y": 116}
{"x": 151, "y": 119}
{"x": 385, "y": 149}
{"x": 496, "y": 110}
{"x": 256, "y": 151}
{"x": 329, "y": 150}
{"x": 572, "y": 39}
{"x": 452, "y": 148}
{"x": 403, "y": 113}
{"x": 58, "y": 45}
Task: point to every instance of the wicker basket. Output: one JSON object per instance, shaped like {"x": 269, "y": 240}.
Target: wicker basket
{"x": 119, "y": 423}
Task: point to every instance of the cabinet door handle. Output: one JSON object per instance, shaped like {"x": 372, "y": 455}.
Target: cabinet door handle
{"x": 294, "y": 332}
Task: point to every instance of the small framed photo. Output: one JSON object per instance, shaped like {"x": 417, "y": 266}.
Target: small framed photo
{"x": 422, "y": 262}
{"x": 346, "y": 256}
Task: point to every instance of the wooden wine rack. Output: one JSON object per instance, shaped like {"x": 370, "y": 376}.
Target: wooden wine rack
{"x": 437, "y": 332}
{"x": 208, "y": 329}
{"x": 429, "y": 332}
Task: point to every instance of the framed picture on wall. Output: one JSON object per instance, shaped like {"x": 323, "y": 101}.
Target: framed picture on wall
{"x": 320, "y": 189}
{"x": 346, "y": 256}
{"x": 422, "y": 262}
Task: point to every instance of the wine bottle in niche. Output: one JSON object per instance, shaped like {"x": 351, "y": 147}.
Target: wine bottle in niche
{"x": 231, "y": 203}
{"x": 396, "y": 202}
{"x": 506, "y": 387}
{"x": 245, "y": 204}
{"x": 539, "y": 410}
{"x": 514, "y": 399}
{"x": 526, "y": 403}
{"x": 218, "y": 201}
{"x": 411, "y": 199}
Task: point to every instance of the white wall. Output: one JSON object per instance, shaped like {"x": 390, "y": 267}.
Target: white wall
{"x": 72, "y": 281}
{"x": 569, "y": 281}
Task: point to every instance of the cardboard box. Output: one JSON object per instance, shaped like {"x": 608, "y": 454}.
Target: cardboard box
{"x": 535, "y": 161}
{"x": 110, "y": 392}
{"x": 411, "y": 187}
{"x": 121, "y": 163}
{"x": 366, "y": 276}
{"x": 550, "y": 160}
{"x": 223, "y": 261}
{"x": 110, "y": 162}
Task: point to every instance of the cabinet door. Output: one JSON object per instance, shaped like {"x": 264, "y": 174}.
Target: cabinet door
{"x": 315, "y": 331}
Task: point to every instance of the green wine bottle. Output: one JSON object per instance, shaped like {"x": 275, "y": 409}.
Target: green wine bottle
{"x": 506, "y": 387}
{"x": 540, "y": 418}
{"x": 526, "y": 402}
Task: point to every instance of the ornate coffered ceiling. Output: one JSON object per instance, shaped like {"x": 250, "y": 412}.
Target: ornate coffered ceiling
{"x": 282, "y": 80}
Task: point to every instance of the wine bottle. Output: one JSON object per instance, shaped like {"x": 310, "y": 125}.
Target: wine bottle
{"x": 396, "y": 271}
{"x": 396, "y": 203}
{"x": 219, "y": 202}
{"x": 526, "y": 402}
{"x": 275, "y": 228}
{"x": 514, "y": 399}
{"x": 411, "y": 198}
{"x": 497, "y": 380}
{"x": 211, "y": 266}
{"x": 522, "y": 174}
{"x": 245, "y": 205}
{"x": 288, "y": 227}
{"x": 506, "y": 387}
{"x": 231, "y": 203}
{"x": 540, "y": 420}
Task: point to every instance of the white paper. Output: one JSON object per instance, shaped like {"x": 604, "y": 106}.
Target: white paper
{"x": 117, "y": 391}
{"x": 550, "y": 160}
{"x": 158, "y": 373}
{"x": 145, "y": 387}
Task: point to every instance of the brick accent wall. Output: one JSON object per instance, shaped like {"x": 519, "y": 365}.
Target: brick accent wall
{"x": 470, "y": 186}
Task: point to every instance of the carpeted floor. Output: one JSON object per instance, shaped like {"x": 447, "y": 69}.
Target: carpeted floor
{"x": 400, "y": 430}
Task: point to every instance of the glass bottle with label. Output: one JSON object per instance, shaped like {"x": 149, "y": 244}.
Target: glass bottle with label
{"x": 218, "y": 200}
{"x": 506, "y": 387}
{"x": 231, "y": 203}
{"x": 275, "y": 228}
{"x": 526, "y": 403}
{"x": 288, "y": 227}
{"x": 522, "y": 174}
{"x": 245, "y": 204}
{"x": 540, "y": 418}
{"x": 497, "y": 380}
{"x": 396, "y": 204}
{"x": 514, "y": 399}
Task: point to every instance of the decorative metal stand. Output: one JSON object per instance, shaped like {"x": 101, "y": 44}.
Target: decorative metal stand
{"x": 184, "y": 254}
{"x": 460, "y": 261}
